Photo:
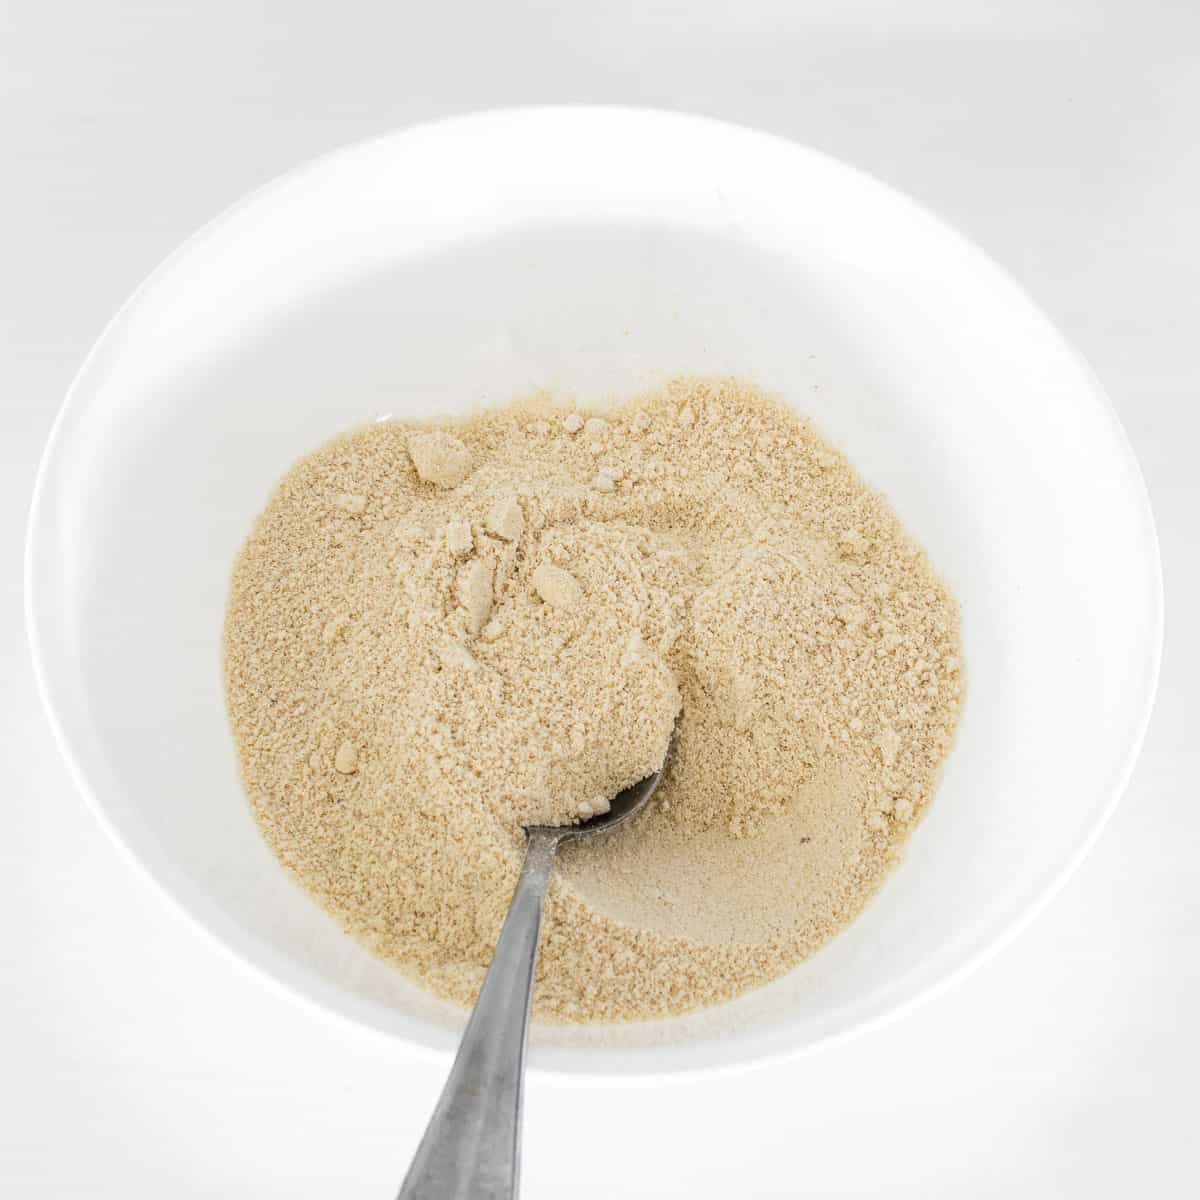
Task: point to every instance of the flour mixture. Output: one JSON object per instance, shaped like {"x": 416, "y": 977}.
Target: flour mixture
{"x": 437, "y": 636}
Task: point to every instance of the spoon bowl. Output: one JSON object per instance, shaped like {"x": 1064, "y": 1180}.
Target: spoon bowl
{"x": 624, "y": 805}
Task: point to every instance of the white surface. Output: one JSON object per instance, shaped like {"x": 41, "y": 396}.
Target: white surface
{"x": 378, "y": 279}
{"x": 137, "y": 1059}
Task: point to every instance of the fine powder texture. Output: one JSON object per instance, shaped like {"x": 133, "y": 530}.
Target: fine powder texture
{"x": 437, "y": 636}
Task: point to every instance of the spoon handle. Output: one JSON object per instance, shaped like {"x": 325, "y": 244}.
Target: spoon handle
{"x": 472, "y": 1145}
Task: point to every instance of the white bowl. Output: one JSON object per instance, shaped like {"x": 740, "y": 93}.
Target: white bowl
{"x": 598, "y": 251}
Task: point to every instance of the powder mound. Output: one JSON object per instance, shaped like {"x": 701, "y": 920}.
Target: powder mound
{"x": 437, "y": 637}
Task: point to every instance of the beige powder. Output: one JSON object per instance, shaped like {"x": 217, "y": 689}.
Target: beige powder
{"x": 437, "y": 637}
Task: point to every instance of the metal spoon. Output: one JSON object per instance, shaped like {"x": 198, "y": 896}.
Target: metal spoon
{"x": 472, "y": 1147}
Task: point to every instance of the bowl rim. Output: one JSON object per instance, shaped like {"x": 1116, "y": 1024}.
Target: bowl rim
{"x": 659, "y": 1062}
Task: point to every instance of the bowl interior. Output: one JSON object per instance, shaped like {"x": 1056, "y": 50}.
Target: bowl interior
{"x": 596, "y": 253}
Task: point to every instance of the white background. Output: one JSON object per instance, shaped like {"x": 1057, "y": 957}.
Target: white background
{"x": 138, "y": 1060}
